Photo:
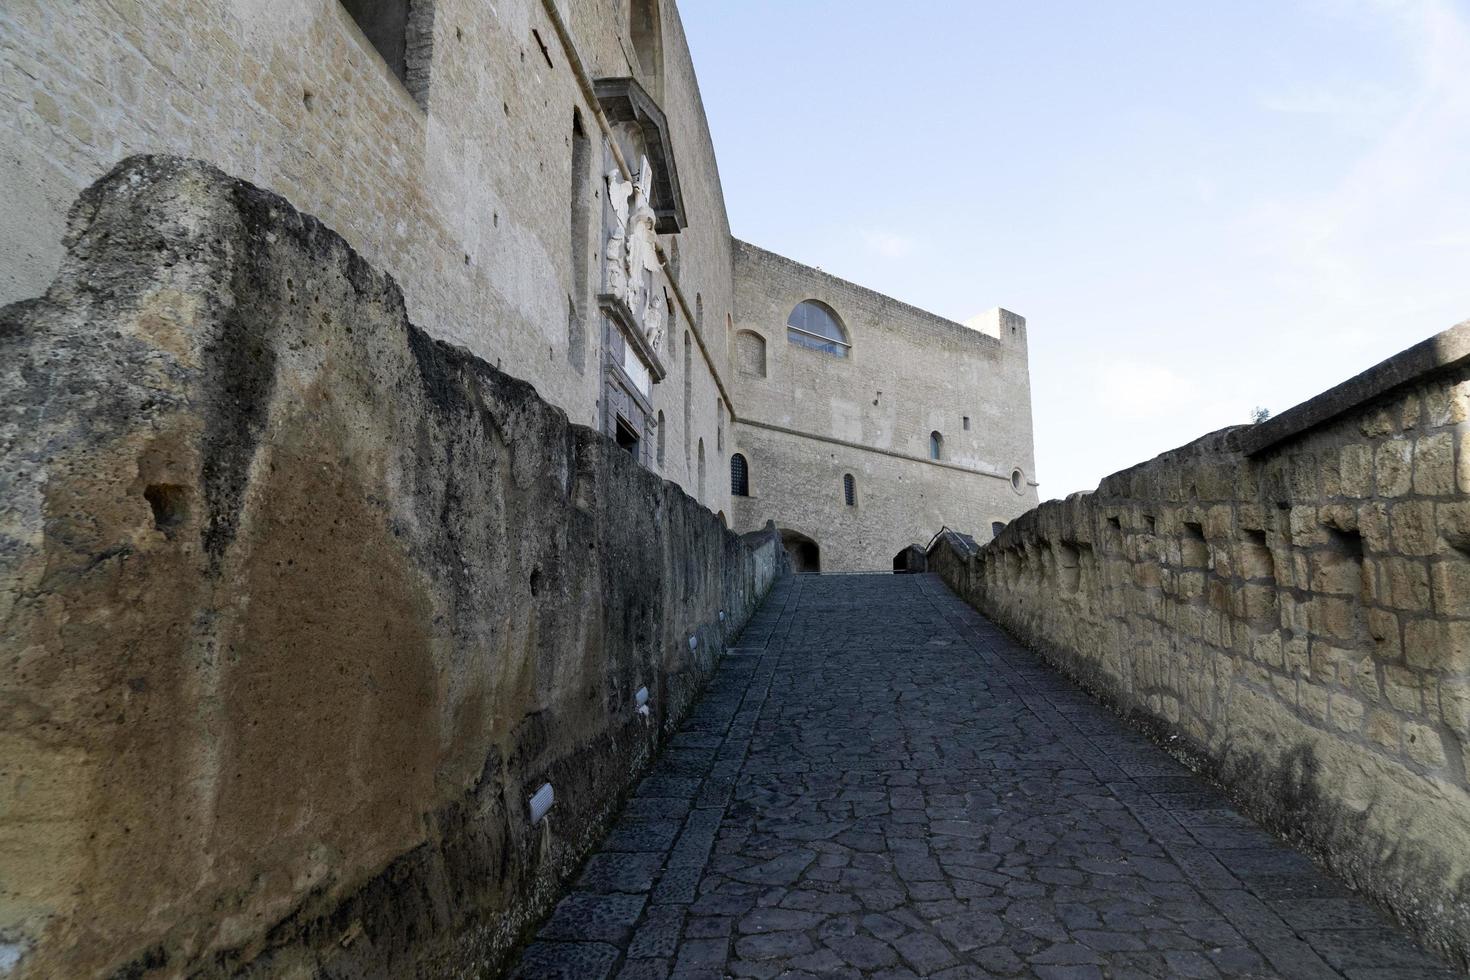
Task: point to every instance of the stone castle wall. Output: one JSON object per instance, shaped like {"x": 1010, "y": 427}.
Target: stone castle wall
{"x": 1290, "y": 604}
{"x": 300, "y": 606}
{"x": 461, "y": 189}
{"x": 811, "y": 418}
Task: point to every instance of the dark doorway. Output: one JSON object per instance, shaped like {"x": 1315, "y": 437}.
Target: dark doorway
{"x": 627, "y": 438}
{"x": 805, "y": 554}
{"x": 911, "y": 559}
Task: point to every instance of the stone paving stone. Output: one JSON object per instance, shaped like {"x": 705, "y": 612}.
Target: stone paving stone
{"x": 880, "y": 784}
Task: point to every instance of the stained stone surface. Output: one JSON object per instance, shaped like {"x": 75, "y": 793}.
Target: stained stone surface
{"x": 879, "y": 783}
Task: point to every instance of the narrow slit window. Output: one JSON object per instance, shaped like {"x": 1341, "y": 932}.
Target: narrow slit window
{"x": 849, "y": 490}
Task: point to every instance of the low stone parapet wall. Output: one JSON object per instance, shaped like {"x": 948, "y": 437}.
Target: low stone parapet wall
{"x": 1289, "y": 604}
{"x": 300, "y": 607}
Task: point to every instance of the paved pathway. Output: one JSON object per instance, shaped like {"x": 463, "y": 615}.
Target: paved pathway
{"x": 880, "y": 784}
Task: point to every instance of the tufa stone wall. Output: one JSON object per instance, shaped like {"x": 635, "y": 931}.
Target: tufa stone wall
{"x": 300, "y": 606}
{"x": 1290, "y": 604}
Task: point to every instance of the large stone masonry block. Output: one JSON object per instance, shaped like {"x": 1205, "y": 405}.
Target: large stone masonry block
{"x": 1315, "y": 656}
{"x": 299, "y": 607}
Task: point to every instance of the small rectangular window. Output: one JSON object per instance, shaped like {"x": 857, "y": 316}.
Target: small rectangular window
{"x": 967, "y": 423}
{"x": 402, "y": 31}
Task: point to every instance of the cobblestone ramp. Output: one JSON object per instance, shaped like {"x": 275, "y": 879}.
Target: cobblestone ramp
{"x": 879, "y": 783}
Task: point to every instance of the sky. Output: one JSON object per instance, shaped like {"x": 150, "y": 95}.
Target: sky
{"x": 1199, "y": 208}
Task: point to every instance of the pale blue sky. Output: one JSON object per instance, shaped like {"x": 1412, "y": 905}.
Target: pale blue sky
{"x": 1198, "y": 207}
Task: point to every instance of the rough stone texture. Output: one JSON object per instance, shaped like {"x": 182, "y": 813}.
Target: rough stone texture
{"x": 300, "y": 606}
{"x": 456, "y": 181}
{"x": 460, "y": 181}
{"x": 879, "y": 783}
{"x": 1296, "y": 622}
{"x": 811, "y": 417}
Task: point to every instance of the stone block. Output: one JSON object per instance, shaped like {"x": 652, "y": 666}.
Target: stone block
{"x": 1409, "y": 413}
{"x": 1356, "y": 470}
{"x": 1434, "y": 465}
{"x": 1285, "y": 687}
{"x": 1445, "y": 404}
{"x": 1366, "y": 680}
{"x": 1377, "y": 423}
{"x": 1414, "y": 530}
{"x": 1383, "y": 729}
{"x": 1423, "y": 744}
{"x": 1402, "y": 688}
{"x": 1329, "y": 472}
{"x": 1407, "y": 584}
{"x": 1453, "y": 524}
{"x": 1374, "y": 527}
{"x": 1306, "y": 530}
{"x": 1438, "y": 645}
{"x": 1328, "y": 662}
{"x": 1266, "y": 649}
{"x": 1312, "y": 700}
{"x": 1454, "y": 706}
{"x": 1346, "y": 713}
{"x": 1297, "y": 654}
{"x": 1393, "y": 468}
{"x": 1462, "y": 463}
{"x": 1383, "y": 626}
{"x": 1343, "y": 517}
{"x": 1334, "y": 617}
{"x": 1334, "y": 573}
{"x": 1303, "y": 476}
{"x": 1451, "y": 576}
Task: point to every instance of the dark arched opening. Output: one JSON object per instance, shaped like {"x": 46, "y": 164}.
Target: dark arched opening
{"x": 911, "y": 559}
{"x": 739, "y": 476}
{"x": 805, "y": 554}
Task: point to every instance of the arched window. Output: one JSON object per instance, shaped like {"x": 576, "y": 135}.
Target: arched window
{"x": 701, "y": 468}
{"x": 739, "y": 476}
{"x": 996, "y": 527}
{"x": 815, "y": 325}
{"x": 849, "y": 490}
{"x": 688, "y": 398}
{"x": 581, "y": 194}
{"x": 719, "y": 425}
{"x": 936, "y": 446}
{"x": 750, "y": 353}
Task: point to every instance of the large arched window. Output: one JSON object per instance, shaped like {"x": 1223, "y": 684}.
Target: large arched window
{"x": 739, "y": 476}
{"x": 936, "y": 446}
{"x": 813, "y": 324}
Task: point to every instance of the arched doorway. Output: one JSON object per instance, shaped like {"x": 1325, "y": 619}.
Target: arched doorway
{"x": 805, "y": 554}
{"x": 911, "y": 559}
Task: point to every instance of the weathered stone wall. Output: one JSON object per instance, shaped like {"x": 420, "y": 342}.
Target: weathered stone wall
{"x": 811, "y": 418}
{"x": 1290, "y": 604}
{"x": 461, "y": 190}
{"x": 299, "y": 606}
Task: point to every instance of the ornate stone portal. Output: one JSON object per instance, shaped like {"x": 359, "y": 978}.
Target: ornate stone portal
{"x": 634, "y": 295}
{"x": 634, "y": 302}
